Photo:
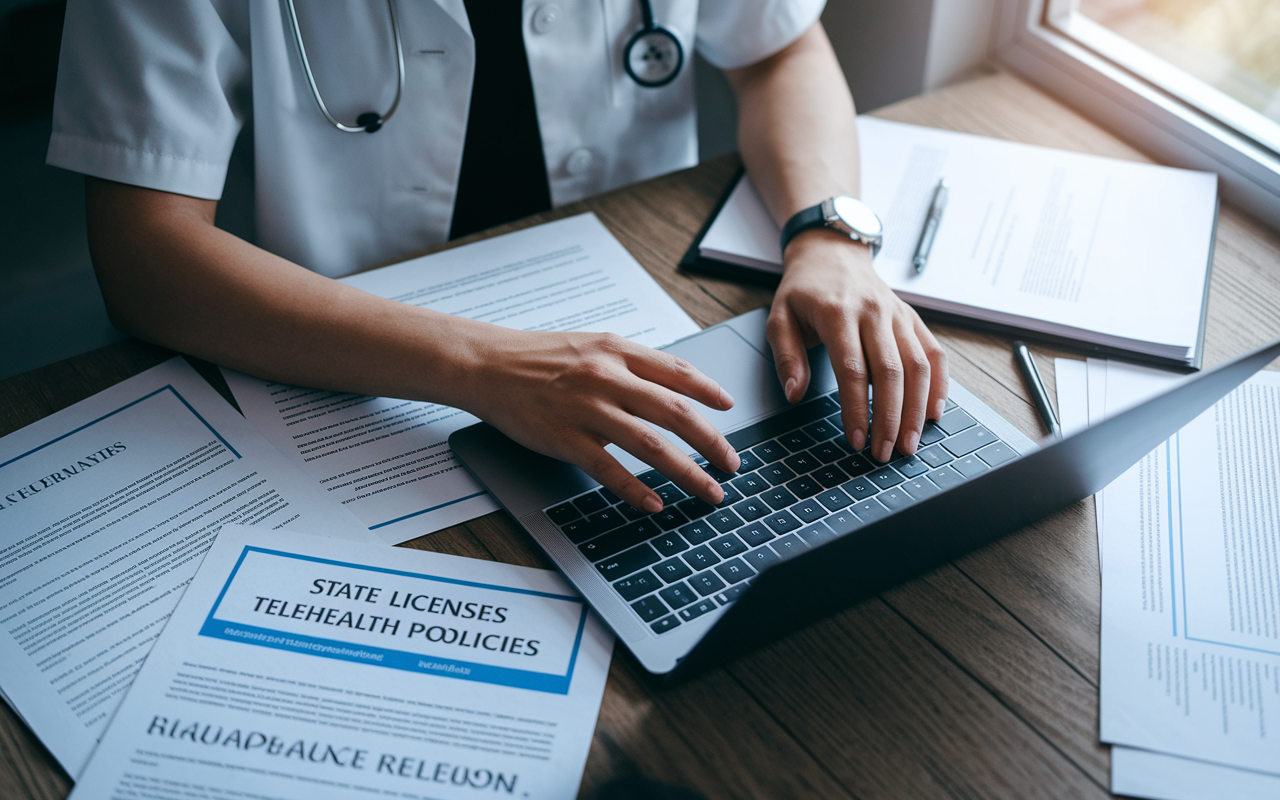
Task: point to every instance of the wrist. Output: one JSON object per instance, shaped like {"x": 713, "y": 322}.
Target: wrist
{"x": 827, "y": 246}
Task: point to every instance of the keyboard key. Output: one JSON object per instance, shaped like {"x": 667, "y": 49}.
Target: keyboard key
{"x": 931, "y": 434}
{"x": 649, "y": 608}
{"x": 804, "y": 486}
{"x": 885, "y": 476}
{"x": 706, "y": 583}
{"x": 631, "y": 513}
{"x": 808, "y": 511}
{"x": 934, "y": 456}
{"x": 616, "y": 541}
{"x": 565, "y": 512}
{"x": 735, "y": 570}
{"x": 698, "y": 532}
{"x": 997, "y": 454}
{"x": 750, "y": 462}
{"x": 946, "y": 477}
{"x": 761, "y": 558}
{"x": 822, "y": 430}
{"x": 910, "y": 466}
{"x": 751, "y": 509}
{"x": 718, "y": 475}
{"x": 842, "y": 442}
{"x": 724, "y": 520}
{"x": 969, "y": 466}
{"x": 869, "y": 511}
{"x": 776, "y": 474}
{"x": 782, "y": 422}
{"x": 860, "y": 488}
{"x": 653, "y": 479}
{"x": 842, "y": 522}
{"x": 829, "y": 476}
{"x": 962, "y": 444}
{"x": 833, "y": 499}
{"x": 700, "y": 557}
{"x": 669, "y": 544}
{"x": 731, "y": 495}
{"x": 610, "y": 498}
{"x": 769, "y": 452}
{"x": 581, "y": 530}
{"x": 727, "y": 546}
{"x": 732, "y": 593}
{"x": 781, "y": 522}
{"x": 827, "y": 452}
{"x": 955, "y": 421}
{"x": 668, "y": 519}
{"x": 950, "y": 405}
{"x": 637, "y": 585}
{"x": 855, "y": 466}
{"x": 813, "y": 535}
{"x": 672, "y": 570}
{"x": 750, "y": 484}
{"x": 795, "y": 441}
{"x": 800, "y": 463}
{"x": 678, "y": 595}
{"x": 670, "y": 493}
{"x": 789, "y": 546}
{"x": 755, "y": 534}
{"x": 589, "y": 504}
{"x": 665, "y": 624}
{"x": 920, "y": 488}
{"x": 695, "y": 507}
{"x": 628, "y": 562}
{"x": 895, "y": 498}
{"x": 778, "y": 498}
{"x": 697, "y": 609}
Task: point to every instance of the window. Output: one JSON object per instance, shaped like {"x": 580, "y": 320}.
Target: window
{"x": 1195, "y": 83}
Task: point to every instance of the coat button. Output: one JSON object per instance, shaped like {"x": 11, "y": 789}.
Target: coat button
{"x": 579, "y": 161}
{"x": 545, "y": 17}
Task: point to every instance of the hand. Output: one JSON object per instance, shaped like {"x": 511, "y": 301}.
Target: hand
{"x": 830, "y": 294}
{"x": 570, "y": 394}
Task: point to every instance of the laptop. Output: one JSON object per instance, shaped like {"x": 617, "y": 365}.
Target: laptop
{"x": 808, "y": 526}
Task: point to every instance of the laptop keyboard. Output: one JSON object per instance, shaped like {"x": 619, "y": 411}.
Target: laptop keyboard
{"x": 800, "y": 484}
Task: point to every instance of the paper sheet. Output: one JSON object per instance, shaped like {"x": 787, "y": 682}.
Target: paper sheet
{"x": 319, "y": 669}
{"x": 108, "y": 507}
{"x": 1034, "y": 237}
{"x": 388, "y": 461}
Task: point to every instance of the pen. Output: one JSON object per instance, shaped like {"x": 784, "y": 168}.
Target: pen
{"x": 931, "y": 223}
{"x": 1032, "y": 377}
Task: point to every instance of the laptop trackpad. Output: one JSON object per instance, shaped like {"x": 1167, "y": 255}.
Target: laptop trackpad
{"x": 725, "y": 357}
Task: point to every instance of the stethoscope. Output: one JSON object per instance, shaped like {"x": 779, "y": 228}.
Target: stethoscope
{"x": 652, "y": 58}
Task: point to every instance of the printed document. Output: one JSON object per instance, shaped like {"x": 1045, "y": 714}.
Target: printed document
{"x": 304, "y": 669}
{"x": 388, "y": 461}
{"x": 1042, "y": 239}
{"x": 106, "y": 508}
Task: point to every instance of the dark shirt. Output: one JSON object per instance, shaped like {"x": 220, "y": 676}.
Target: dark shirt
{"x": 504, "y": 175}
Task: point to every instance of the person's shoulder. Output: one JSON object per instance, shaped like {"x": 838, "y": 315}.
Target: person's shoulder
{"x": 735, "y": 33}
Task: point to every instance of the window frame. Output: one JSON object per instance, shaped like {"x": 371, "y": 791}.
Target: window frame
{"x": 1136, "y": 106}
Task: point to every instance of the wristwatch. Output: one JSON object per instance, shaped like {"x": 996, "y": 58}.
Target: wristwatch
{"x": 848, "y": 215}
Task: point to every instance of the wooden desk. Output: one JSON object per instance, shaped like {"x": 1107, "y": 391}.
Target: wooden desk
{"x": 977, "y": 680}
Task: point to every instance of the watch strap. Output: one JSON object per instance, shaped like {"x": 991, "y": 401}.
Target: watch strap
{"x": 811, "y": 217}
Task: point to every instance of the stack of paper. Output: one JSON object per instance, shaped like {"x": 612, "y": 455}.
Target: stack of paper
{"x": 1189, "y": 543}
{"x": 1113, "y": 254}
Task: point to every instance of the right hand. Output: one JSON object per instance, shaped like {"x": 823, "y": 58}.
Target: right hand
{"x": 569, "y": 394}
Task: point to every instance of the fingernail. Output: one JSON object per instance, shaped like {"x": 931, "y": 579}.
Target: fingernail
{"x": 726, "y": 399}
{"x": 735, "y": 460}
{"x": 938, "y": 408}
{"x": 913, "y": 439}
{"x": 652, "y": 504}
{"x": 886, "y": 452}
{"x": 859, "y": 440}
{"x": 790, "y": 388}
{"x": 717, "y": 495}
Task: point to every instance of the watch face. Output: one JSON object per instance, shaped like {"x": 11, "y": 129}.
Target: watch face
{"x": 857, "y": 215}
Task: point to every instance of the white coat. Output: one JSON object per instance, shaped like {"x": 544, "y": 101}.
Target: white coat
{"x": 154, "y": 93}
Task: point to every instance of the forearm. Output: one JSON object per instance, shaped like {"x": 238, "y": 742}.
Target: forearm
{"x": 169, "y": 276}
{"x": 796, "y": 128}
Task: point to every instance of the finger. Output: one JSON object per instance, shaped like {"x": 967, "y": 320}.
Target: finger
{"x": 844, "y": 347}
{"x": 606, "y": 470}
{"x": 790, "y": 356}
{"x": 939, "y": 381}
{"x": 654, "y": 449}
{"x": 676, "y": 413}
{"x": 915, "y": 386}
{"x": 678, "y": 375}
{"x": 885, "y": 367}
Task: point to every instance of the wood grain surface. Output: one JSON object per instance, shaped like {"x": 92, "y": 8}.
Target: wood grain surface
{"x": 979, "y": 679}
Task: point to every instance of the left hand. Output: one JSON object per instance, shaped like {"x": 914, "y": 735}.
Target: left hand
{"x": 831, "y": 295}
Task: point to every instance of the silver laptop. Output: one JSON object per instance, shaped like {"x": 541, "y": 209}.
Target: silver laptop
{"x": 808, "y": 525}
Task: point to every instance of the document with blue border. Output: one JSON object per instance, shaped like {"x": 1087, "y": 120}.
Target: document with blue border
{"x": 106, "y": 508}
{"x": 303, "y": 667}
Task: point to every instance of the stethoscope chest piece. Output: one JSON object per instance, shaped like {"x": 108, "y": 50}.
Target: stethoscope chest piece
{"x": 653, "y": 56}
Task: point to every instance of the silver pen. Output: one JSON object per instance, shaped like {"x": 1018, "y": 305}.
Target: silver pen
{"x": 931, "y": 224}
